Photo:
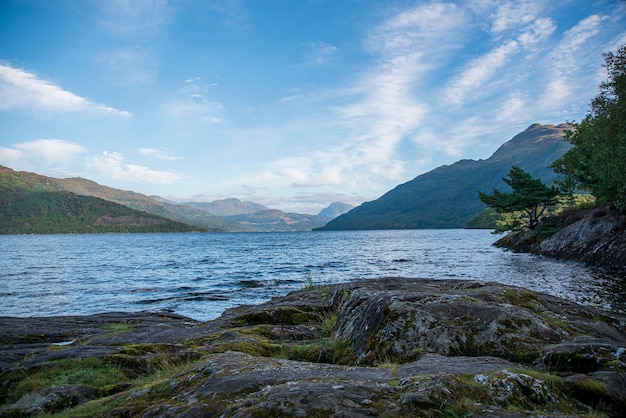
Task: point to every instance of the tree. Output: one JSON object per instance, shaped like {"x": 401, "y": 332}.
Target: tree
{"x": 529, "y": 196}
{"x": 597, "y": 161}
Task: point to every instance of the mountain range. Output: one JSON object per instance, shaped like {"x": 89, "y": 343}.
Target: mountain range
{"x": 447, "y": 197}
{"x": 57, "y": 195}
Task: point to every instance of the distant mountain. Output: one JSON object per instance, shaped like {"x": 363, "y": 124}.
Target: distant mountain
{"x": 24, "y": 211}
{"x": 447, "y": 197}
{"x": 335, "y": 209}
{"x": 83, "y": 187}
{"x": 276, "y": 220}
{"x": 228, "y": 207}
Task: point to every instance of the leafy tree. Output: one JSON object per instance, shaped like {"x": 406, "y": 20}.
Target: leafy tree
{"x": 530, "y": 197}
{"x": 597, "y": 161}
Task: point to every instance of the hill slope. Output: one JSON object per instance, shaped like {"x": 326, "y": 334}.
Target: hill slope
{"x": 447, "y": 197}
{"x": 84, "y": 187}
{"x": 25, "y": 211}
{"x": 228, "y": 207}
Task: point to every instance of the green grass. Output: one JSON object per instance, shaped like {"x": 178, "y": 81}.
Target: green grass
{"x": 94, "y": 372}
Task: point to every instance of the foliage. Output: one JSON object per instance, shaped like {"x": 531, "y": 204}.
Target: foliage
{"x": 486, "y": 219}
{"x": 529, "y": 196}
{"x": 597, "y": 161}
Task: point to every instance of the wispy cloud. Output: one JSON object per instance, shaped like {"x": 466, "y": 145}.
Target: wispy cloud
{"x": 193, "y": 102}
{"x": 41, "y": 152}
{"x": 512, "y": 14}
{"x": 23, "y": 90}
{"x": 113, "y": 166}
{"x": 159, "y": 153}
{"x": 133, "y": 18}
{"x": 567, "y": 61}
{"x": 384, "y": 101}
{"x": 319, "y": 53}
{"x": 470, "y": 83}
{"x": 130, "y": 66}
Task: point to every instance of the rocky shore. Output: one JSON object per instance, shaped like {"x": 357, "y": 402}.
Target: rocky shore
{"x": 390, "y": 347}
{"x": 596, "y": 237}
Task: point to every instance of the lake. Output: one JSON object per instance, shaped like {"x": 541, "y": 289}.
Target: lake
{"x": 199, "y": 275}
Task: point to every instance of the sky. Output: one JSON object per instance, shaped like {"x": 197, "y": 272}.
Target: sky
{"x": 294, "y": 104}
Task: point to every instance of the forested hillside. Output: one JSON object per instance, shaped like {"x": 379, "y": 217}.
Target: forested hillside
{"x": 25, "y": 211}
{"x": 180, "y": 213}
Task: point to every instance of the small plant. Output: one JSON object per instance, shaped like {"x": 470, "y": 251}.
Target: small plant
{"x": 308, "y": 281}
{"x": 328, "y": 324}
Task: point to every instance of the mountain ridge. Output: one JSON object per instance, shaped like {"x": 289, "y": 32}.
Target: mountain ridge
{"x": 447, "y": 196}
{"x": 244, "y": 216}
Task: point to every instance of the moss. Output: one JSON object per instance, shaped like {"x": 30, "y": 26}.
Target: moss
{"x": 524, "y": 299}
{"x": 555, "y": 322}
{"x": 118, "y": 328}
{"x": 287, "y": 315}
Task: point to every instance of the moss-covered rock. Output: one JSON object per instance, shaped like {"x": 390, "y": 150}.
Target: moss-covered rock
{"x": 388, "y": 347}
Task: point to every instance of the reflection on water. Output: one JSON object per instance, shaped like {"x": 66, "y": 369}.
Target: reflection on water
{"x": 200, "y": 275}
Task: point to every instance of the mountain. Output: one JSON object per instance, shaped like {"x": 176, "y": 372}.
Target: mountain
{"x": 447, "y": 197}
{"x": 83, "y": 187}
{"x": 24, "y": 211}
{"x": 335, "y": 209}
{"x": 275, "y": 220}
{"x": 228, "y": 207}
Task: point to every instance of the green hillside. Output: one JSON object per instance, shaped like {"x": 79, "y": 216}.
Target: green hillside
{"x": 24, "y": 211}
{"x": 83, "y": 187}
{"x": 447, "y": 197}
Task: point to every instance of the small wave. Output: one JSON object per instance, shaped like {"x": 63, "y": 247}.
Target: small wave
{"x": 208, "y": 298}
{"x": 250, "y": 283}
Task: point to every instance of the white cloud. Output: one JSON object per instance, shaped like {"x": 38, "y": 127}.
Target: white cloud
{"x": 22, "y": 90}
{"x": 513, "y": 14}
{"x": 112, "y": 165}
{"x": 42, "y": 152}
{"x": 566, "y": 63}
{"x": 469, "y": 84}
{"x": 537, "y": 32}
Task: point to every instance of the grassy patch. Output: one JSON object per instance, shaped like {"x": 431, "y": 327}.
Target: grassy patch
{"x": 94, "y": 372}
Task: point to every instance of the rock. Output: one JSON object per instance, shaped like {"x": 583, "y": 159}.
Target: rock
{"x": 597, "y": 238}
{"x": 51, "y": 399}
{"x": 395, "y": 347}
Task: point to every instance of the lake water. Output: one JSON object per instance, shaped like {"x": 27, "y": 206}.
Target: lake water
{"x": 201, "y": 274}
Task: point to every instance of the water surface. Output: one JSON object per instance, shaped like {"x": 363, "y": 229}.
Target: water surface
{"x": 201, "y": 274}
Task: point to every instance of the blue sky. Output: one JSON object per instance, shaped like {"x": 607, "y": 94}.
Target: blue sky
{"x": 291, "y": 103}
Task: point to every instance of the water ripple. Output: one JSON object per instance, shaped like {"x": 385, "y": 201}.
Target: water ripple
{"x": 201, "y": 275}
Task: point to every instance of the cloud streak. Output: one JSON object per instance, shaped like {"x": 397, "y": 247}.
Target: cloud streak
{"x": 22, "y": 90}
{"x": 41, "y": 152}
{"x": 112, "y": 165}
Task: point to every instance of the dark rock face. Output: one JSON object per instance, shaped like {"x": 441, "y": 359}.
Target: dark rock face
{"x": 388, "y": 347}
{"x": 597, "y": 238}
